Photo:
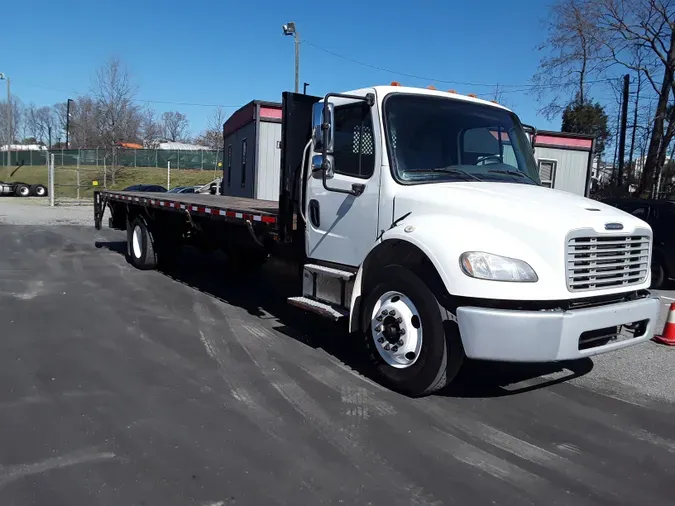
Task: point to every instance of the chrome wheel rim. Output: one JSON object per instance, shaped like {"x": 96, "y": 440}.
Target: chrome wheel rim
{"x": 396, "y": 328}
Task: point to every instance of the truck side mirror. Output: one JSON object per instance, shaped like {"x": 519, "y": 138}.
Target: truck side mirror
{"x": 319, "y": 168}
{"x": 318, "y": 124}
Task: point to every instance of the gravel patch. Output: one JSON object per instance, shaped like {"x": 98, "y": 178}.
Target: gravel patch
{"x": 18, "y": 211}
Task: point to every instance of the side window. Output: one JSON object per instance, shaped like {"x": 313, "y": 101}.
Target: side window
{"x": 354, "y": 142}
{"x": 547, "y": 170}
{"x": 229, "y": 165}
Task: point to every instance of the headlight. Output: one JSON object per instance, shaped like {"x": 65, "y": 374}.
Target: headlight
{"x": 480, "y": 265}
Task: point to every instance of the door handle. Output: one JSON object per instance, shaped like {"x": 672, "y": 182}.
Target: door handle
{"x": 314, "y": 215}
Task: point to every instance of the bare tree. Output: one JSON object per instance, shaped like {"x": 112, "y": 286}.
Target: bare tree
{"x": 639, "y": 35}
{"x": 572, "y": 55}
{"x": 114, "y": 95}
{"x": 17, "y": 120}
{"x": 213, "y": 135}
{"x": 174, "y": 126}
{"x": 151, "y": 129}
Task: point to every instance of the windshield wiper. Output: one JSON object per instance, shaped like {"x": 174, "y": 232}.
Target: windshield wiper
{"x": 513, "y": 173}
{"x": 451, "y": 170}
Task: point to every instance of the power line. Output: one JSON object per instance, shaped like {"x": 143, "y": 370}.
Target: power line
{"x": 527, "y": 86}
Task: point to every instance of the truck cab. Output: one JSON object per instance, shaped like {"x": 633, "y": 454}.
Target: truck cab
{"x": 425, "y": 223}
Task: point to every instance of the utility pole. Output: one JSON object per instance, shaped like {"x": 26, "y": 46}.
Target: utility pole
{"x": 622, "y": 132}
{"x": 9, "y": 118}
{"x": 68, "y": 122}
{"x": 289, "y": 29}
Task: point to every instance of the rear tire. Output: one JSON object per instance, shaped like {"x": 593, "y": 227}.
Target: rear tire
{"x": 141, "y": 250}
{"x": 38, "y": 190}
{"x": 22, "y": 190}
{"x": 429, "y": 354}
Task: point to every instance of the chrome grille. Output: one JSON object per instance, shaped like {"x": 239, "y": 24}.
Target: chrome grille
{"x": 594, "y": 263}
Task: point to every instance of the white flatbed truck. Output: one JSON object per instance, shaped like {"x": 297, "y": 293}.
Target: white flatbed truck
{"x": 418, "y": 217}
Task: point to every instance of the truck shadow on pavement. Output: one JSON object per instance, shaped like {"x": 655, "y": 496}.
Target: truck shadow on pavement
{"x": 208, "y": 273}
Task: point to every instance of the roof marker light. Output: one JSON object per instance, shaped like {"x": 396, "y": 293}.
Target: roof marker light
{"x": 452, "y": 91}
{"x": 395, "y": 83}
{"x": 472, "y": 95}
{"x": 431, "y": 87}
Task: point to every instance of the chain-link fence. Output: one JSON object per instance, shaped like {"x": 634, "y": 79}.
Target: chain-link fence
{"x": 203, "y": 159}
{"x": 78, "y": 172}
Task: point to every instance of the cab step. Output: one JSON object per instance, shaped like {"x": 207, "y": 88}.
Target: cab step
{"x": 329, "y": 271}
{"x": 320, "y": 308}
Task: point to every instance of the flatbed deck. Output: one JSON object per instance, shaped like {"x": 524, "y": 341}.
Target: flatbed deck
{"x": 264, "y": 211}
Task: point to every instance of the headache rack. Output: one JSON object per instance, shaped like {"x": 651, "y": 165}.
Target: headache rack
{"x": 596, "y": 262}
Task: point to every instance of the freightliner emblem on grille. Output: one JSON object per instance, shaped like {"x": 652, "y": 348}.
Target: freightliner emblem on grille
{"x": 613, "y": 226}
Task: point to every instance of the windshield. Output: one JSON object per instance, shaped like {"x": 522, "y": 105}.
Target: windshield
{"x": 441, "y": 139}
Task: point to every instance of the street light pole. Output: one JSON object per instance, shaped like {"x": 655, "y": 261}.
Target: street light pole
{"x": 9, "y": 118}
{"x": 68, "y": 122}
{"x": 290, "y": 29}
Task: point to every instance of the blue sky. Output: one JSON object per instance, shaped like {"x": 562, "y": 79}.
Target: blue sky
{"x": 228, "y": 53}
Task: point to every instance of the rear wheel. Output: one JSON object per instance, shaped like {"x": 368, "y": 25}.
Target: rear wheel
{"x": 38, "y": 190}
{"x": 413, "y": 347}
{"x": 141, "y": 250}
{"x": 22, "y": 190}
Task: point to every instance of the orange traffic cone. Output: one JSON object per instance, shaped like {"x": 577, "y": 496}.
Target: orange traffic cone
{"x": 668, "y": 335}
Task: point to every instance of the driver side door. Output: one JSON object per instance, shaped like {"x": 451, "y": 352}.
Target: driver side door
{"x": 342, "y": 228}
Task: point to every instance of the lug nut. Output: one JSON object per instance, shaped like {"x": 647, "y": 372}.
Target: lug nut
{"x": 378, "y": 318}
{"x": 399, "y": 319}
{"x": 387, "y": 347}
{"x": 380, "y": 339}
{"x": 378, "y": 328}
{"x": 392, "y": 312}
{"x": 402, "y": 332}
{"x": 400, "y": 342}
{"x": 394, "y": 348}
{"x": 384, "y": 312}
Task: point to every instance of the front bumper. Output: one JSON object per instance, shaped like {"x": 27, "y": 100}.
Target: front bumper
{"x": 549, "y": 336}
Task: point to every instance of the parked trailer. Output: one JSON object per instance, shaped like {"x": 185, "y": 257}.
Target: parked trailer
{"x": 418, "y": 218}
{"x": 22, "y": 189}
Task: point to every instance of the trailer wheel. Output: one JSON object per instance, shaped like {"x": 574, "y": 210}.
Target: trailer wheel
{"x": 412, "y": 348}
{"x": 22, "y": 190}
{"x": 141, "y": 250}
{"x": 38, "y": 190}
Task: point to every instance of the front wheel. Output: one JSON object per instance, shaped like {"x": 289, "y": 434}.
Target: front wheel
{"x": 414, "y": 349}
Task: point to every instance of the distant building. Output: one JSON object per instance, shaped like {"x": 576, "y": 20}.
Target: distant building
{"x": 24, "y": 147}
{"x": 565, "y": 160}
{"x": 252, "y": 156}
{"x": 182, "y": 146}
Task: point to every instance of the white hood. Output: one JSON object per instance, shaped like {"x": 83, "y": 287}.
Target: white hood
{"x": 523, "y": 205}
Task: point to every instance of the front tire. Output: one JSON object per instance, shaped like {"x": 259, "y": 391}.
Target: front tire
{"x": 414, "y": 348}
{"x": 141, "y": 249}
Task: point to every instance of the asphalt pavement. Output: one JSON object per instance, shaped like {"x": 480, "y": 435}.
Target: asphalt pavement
{"x": 127, "y": 387}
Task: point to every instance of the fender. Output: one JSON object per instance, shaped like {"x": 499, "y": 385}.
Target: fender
{"x": 443, "y": 238}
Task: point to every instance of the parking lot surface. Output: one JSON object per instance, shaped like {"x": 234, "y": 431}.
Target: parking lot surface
{"x": 123, "y": 387}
